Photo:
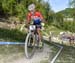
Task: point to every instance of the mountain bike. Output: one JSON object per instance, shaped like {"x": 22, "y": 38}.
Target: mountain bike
{"x": 32, "y": 41}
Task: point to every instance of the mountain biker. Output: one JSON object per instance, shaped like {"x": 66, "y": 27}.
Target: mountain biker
{"x": 37, "y": 18}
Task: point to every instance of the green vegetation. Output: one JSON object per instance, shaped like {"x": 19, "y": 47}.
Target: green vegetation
{"x": 16, "y": 10}
{"x": 11, "y": 35}
{"x": 19, "y": 8}
{"x": 72, "y": 3}
{"x": 70, "y": 26}
{"x": 51, "y": 28}
{"x": 68, "y": 12}
{"x": 67, "y": 24}
{"x": 67, "y": 55}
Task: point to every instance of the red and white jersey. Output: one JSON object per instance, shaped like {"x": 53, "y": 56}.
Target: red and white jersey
{"x": 37, "y": 14}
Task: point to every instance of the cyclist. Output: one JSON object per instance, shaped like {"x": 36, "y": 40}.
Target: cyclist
{"x": 37, "y": 18}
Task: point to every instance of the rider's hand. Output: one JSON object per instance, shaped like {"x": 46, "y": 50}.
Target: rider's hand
{"x": 43, "y": 24}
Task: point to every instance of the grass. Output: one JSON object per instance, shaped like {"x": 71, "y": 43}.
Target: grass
{"x": 51, "y": 28}
{"x": 67, "y": 55}
{"x": 11, "y": 35}
{"x": 53, "y": 52}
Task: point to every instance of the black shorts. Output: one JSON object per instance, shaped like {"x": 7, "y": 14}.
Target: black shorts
{"x": 38, "y": 26}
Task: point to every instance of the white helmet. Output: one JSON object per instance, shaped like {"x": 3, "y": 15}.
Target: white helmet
{"x": 31, "y": 7}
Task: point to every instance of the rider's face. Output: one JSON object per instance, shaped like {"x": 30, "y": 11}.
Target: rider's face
{"x": 32, "y": 11}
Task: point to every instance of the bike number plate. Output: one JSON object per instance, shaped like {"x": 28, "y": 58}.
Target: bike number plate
{"x": 32, "y": 27}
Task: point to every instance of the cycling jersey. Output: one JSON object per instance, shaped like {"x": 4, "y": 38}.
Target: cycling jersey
{"x": 35, "y": 16}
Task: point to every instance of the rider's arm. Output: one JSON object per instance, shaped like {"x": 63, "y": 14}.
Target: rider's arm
{"x": 28, "y": 19}
{"x": 42, "y": 19}
{"x": 40, "y": 15}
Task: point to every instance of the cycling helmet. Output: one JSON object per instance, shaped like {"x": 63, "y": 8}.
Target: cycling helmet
{"x": 31, "y": 7}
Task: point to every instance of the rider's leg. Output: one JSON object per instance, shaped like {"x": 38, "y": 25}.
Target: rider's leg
{"x": 40, "y": 36}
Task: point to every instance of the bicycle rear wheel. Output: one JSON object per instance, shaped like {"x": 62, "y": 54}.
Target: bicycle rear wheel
{"x": 29, "y": 45}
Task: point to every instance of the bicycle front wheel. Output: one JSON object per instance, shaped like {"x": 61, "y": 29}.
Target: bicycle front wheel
{"x": 29, "y": 45}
